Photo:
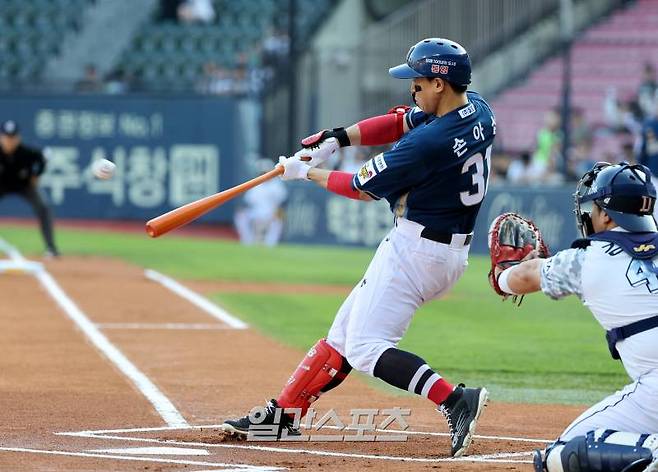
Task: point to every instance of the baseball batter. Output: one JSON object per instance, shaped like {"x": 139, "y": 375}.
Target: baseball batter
{"x": 614, "y": 271}
{"x": 435, "y": 178}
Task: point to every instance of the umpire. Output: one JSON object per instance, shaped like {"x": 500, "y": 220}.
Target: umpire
{"x": 20, "y": 168}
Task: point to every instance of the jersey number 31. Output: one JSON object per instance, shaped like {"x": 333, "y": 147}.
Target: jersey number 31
{"x": 479, "y": 178}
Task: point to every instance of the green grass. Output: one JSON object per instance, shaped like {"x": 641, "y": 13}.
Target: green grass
{"x": 204, "y": 258}
{"x": 544, "y": 351}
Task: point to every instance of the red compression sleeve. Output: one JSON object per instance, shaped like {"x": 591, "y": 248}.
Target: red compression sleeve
{"x": 383, "y": 129}
{"x": 341, "y": 184}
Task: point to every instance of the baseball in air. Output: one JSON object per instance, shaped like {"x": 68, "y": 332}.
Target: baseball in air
{"x": 103, "y": 169}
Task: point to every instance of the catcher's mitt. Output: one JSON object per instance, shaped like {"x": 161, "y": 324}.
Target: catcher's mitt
{"x": 512, "y": 239}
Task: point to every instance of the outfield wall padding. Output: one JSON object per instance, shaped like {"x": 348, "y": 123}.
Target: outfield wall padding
{"x": 314, "y": 216}
{"x": 169, "y": 150}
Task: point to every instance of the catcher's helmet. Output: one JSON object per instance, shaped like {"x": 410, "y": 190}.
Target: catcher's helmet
{"x": 436, "y": 57}
{"x": 624, "y": 191}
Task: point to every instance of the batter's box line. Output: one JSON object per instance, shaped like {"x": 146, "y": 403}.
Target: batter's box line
{"x": 195, "y": 299}
{"x": 225, "y": 467}
{"x": 502, "y": 457}
{"x": 377, "y": 430}
{"x": 162, "y": 326}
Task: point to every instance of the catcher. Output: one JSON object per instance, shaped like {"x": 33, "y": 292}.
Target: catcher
{"x": 614, "y": 271}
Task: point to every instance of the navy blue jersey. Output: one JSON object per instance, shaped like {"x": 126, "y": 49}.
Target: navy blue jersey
{"x": 437, "y": 173}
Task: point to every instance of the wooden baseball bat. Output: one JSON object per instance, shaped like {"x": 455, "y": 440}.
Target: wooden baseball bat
{"x": 190, "y": 212}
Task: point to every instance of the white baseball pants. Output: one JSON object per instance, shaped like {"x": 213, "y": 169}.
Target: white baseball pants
{"x": 405, "y": 272}
{"x": 633, "y": 409}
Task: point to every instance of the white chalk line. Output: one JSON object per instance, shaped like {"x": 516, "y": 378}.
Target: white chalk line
{"x": 255, "y": 469}
{"x": 16, "y": 261}
{"x": 196, "y": 299}
{"x": 160, "y": 326}
{"x": 13, "y": 253}
{"x": 160, "y": 402}
{"x": 378, "y": 430}
{"x": 132, "y": 430}
{"x": 19, "y": 267}
{"x": 242, "y": 467}
{"x": 494, "y": 458}
{"x": 216, "y": 312}
{"x": 152, "y": 451}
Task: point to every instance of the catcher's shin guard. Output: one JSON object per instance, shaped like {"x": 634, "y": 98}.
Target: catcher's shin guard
{"x": 602, "y": 451}
{"x": 322, "y": 369}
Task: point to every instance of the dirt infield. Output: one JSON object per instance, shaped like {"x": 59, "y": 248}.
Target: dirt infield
{"x": 55, "y": 380}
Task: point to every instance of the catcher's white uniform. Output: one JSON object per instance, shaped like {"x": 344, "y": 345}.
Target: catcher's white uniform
{"x": 618, "y": 290}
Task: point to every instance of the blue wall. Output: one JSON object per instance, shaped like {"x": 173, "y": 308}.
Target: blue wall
{"x": 168, "y": 150}
{"x": 173, "y": 150}
{"x": 314, "y": 216}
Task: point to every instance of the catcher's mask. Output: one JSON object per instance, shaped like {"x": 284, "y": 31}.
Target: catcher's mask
{"x": 624, "y": 191}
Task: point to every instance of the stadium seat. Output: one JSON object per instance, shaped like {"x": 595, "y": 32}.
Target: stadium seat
{"x": 34, "y": 30}
{"x": 520, "y": 110}
{"x": 238, "y": 27}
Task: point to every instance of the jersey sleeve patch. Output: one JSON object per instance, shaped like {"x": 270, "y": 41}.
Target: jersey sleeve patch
{"x": 561, "y": 275}
{"x": 380, "y": 162}
{"x": 366, "y": 172}
{"x": 467, "y": 111}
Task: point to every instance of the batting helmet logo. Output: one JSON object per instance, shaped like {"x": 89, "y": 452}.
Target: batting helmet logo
{"x": 437, "y": 69}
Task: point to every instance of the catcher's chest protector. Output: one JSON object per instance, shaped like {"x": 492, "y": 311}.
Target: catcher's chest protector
{"x": 620, "y": 290}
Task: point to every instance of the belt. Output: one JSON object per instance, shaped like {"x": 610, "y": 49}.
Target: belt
{"x": 445, "y": 238}
{"x": 623, "y": 332}
{"x": 416, "y": 230}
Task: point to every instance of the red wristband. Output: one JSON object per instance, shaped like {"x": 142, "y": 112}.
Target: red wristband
{"x": 341, "y": 184}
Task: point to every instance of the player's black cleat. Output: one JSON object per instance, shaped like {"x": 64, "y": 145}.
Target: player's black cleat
{"x": 538, "y": 461}
{"x": 242, "y": 426}
{"x": 462, "y": 410}
{"x": 51, "y": 253}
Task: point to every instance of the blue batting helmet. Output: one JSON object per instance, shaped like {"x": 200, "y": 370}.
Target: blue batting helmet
{"x": 624, "y": 191}
{"x": 436, "y": 57}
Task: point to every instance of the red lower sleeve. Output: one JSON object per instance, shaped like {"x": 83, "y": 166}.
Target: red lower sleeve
{"x": 341, "y": 184}
{"x": 384, "y": 129}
